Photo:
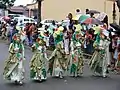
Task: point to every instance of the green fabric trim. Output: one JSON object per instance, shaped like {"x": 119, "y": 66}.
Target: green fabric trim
{"x": 32, "y": 73}
{"x": 73, "y": 68}
{"x": 44, "y": 73}
{"x": 59, "y": 38}
{"x": 36, "y": 44}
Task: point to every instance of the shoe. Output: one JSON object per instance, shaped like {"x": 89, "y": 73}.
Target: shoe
{"x": 16, "y": 82}
{"x": 20, "y": 82}
{"x": 61, "y": 77}
{"x": 104, "y": 76}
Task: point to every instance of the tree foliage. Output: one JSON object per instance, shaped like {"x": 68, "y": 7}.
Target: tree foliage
{"x": 6, "y": 3}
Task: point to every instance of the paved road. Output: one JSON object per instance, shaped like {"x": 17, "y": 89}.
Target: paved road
{"x": 87, "y": 82}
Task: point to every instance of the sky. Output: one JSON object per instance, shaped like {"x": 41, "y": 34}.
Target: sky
{"x": 22, "y": 2}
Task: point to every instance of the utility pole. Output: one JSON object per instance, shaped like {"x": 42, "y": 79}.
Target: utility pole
{"x": 114, "y": 12}
{"x": 118, "y": 4}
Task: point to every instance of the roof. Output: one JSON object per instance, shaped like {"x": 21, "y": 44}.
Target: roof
{"x": 31, "y": 4}
{"x": 19, "y": 9}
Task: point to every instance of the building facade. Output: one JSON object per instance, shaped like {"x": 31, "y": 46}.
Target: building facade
{"x": 58, "y": 9}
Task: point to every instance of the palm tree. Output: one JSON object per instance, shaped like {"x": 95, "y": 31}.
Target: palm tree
{"x": 39, "y": 2}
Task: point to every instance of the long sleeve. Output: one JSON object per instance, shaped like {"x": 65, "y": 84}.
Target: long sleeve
{"x": 72, "y": 48}
{"x": 11, "y": 48}
{"x": 53, "y": 55}
{"x": 23, "y": 50}
{"x": 45, "y": 53}
{"x": 101, "y": 44}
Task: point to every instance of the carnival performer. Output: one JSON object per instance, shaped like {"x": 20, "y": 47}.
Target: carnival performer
{"x": 118, "y": 61}
{"x": 58, "y": 59}
{"x": 14, "y": 70}
{"x": 66, "y": 41}
{"x": 98, "y": 63}
{"x": 76, "y": 57}
{"x": 38, "y": 63}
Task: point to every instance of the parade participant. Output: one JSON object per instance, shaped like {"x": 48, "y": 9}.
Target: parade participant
{"x": 51, "y": 42}
{"x": 76, "y": 60}
{"x": 118, "y": 61}
{"x": 4, "y": 30}
{"x": 57, "y": 61}
{"x": 14, "y": 70}
{"x": 10, "y": 32}
{"x": 66, "y": 41}
{"x": 98, "y": 63}
{"x": 38, "y": 63}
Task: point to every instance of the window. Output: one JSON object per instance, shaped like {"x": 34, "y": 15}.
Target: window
{"x": 26, "y": 20}
{"x": 31, "y": 20}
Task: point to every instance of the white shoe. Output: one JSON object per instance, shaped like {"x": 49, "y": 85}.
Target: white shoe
{"x": 35, "y": 78}
{"x": 20, "y": 82}
{"x": 61, "y": 77}
{"x": 104, "y": 76}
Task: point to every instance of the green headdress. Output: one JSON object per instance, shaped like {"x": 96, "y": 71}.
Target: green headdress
{"x": 58, "y": 38}
{"x": 40, "y": 41}
{"x": 58, "y": 35}
{"x": 97, "y": 41}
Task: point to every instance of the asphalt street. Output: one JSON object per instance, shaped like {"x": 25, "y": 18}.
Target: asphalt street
{"x": 87, "y": 82}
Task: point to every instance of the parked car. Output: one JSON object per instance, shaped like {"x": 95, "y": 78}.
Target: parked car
{"x": 24, "y": 20}
{"x": 48, "y": 22}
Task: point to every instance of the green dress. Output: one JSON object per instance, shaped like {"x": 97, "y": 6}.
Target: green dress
{"x": 13, "y": 69}
{"x": 76, "y": 59}
{"x": 58, "y": 62}
{"x": 98, "y": 62}
{"x": 38, "y": 63}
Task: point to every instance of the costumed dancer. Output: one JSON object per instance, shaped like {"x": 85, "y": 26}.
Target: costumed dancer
{"x": 76, "y": 57}
{"x": 58, "y": 60}
{"x": 38, "y": 63}
{"x": 98, "y": 63}
{"x": 14, "y": 70}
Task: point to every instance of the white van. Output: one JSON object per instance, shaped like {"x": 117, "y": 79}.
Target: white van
{"x": 24, "y": 20}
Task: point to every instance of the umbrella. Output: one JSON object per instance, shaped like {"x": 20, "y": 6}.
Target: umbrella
{"x": 6, "y": 18}
{"x": 93, "y": 11}
{"x": 101, "y": 16}
{"x": 92, "y": 21}
{"x": 83, "y": 18}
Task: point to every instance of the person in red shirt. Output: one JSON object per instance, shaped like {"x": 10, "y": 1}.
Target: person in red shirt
{"x": 30, "y": 33}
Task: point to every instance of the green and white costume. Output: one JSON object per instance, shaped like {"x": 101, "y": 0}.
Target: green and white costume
{"x": 98, "y": 63}
{"x": 38, "y": 63}
{"x": 58, "y": 62}
{"x": 14, "y": 70}
{"x": 76, "y": 57}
